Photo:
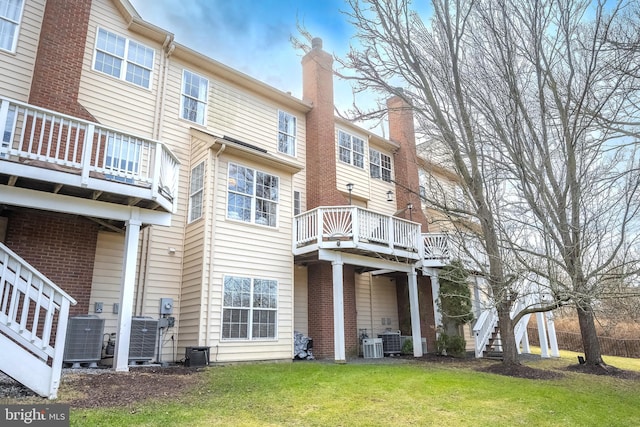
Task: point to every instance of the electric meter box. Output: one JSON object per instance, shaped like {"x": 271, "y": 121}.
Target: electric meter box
{"x": 166, "y": 306}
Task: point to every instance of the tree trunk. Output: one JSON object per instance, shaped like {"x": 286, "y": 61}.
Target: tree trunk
{"x": 509, "y": 350}
{"x": 592, "y": 353}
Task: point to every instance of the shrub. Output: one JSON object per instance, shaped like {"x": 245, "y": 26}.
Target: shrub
{"x": 453, "y": 345}
{"x": 407, "y": 346}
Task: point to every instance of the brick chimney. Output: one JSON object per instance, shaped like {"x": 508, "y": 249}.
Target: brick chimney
{"x": 402, "y": 132}
{"x": 58, "y": 66}
{"x": 317, "y": 88}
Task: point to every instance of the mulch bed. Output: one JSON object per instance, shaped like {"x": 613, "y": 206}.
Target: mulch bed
{"x": 110, "y": 388}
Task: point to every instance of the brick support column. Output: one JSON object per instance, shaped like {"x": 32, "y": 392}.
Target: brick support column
{"x": 321, "y": 319}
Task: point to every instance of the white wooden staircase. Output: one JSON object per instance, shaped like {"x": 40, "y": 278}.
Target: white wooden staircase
{"x": 486, "y": 330}
{"x": 33, "y": 325}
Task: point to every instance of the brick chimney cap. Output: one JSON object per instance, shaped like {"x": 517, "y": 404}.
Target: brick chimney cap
{"x": 316, "y": 43}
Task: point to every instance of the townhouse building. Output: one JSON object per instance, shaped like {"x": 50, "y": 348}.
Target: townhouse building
{"x": 143, "y": 181}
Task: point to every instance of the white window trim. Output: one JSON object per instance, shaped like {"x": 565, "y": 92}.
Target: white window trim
{"x": 251, "y": 310}
{"x": 125, "y": 61}
{"x": 379, "y": 165}
{"x": 183, "y": 95}
{"x": 253, "y": 197}
{"x": 199, "y": 191}
{"x": 294, "y": 136}
{"x": 351, "y": 151}
{"x": 18, "y": 24}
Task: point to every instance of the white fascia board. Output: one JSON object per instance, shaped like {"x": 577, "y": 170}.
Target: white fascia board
{"x": 363, "y": 261}
{"x": 78, "y": 206}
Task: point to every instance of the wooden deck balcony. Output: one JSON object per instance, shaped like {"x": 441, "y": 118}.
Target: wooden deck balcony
{"x": 47, "y": 151}
{"x": 364, "y": 232}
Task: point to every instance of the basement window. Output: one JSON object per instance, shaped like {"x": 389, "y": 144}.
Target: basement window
{"x": 250, "y": 308}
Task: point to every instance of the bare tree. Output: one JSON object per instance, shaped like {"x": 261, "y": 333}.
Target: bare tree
{"x": 535, "y": 103}
{"x": 562, "y": 107}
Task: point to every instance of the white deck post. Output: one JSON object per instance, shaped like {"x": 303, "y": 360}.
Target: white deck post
{"x": 435, "y": 294}
{"x": 338, "y": 310}
{"x": 542, "y": 333}
{"x": 414, "y": 306}
{"x": 127, "y": 285}
{"x": 553, "y": 340}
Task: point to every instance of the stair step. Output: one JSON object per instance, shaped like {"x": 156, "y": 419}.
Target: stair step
{"x": 494, "y": 355}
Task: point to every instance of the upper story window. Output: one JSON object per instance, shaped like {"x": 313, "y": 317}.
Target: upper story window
{"x": 286, "y": 133}
{"x": 195, "y": 91}
{"x": 123, "y": 58}
{"x": 351, "y": 149}
{"x": 196, "y": 192}
{"x": 10, "y": 15}
{"x": 379, "y": 165}
{"x": 252, "y": 196}
{"x": 250, "y": 308}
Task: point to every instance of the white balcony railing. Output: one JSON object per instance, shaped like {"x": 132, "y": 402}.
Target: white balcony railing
{"x": 87, "y": 149}
{"x": 355, "y": 227}
{"x": 436, "y": 247}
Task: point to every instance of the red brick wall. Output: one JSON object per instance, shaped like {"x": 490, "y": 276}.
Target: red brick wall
{"x": 62, "y": 247}
{"x": 317, "y": 88}
{"x": 56, "y": 77}
{"x": 320, "y": 295}
{"x": 402, "y": 131}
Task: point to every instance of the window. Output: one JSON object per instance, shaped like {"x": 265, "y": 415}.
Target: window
{"x": 296, "y": 203}
{"x": 351, "y": 149}
{"x": 123, "y": 157}
{"x": 196, "y": 192}
{"x": 9, "y": 126}
{"x": 253, "y": 196}
{"x": 286, "y": 133}
{"x": 379, "y": 165}
{"x": 249, "y": 308}
{"x": 123, "y": 58}
{"x": 195, "y": 90}
{"x": 10, "y": 14}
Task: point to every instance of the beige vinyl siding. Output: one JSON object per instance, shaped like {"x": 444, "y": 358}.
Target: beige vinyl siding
{"x": 376, "y": 300}
{"x": 379, "y": 188}
{"x": 248, "y": 250}
{"x": 115, "y": 102}
{"x": 301, "y": 301}
{"x": 385, "y": 305}
{"x": 347, "y": 173}
{"x": 16, "y": 68}
{"x": 107, "y": 274}
{"x": 195, "y": 272}
{"x": 364, "y": 318}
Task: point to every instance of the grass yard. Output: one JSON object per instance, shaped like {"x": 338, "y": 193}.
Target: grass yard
{"x": 398, "y": 394}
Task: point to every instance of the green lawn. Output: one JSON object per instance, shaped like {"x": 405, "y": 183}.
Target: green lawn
{"x": 417, "y": 394}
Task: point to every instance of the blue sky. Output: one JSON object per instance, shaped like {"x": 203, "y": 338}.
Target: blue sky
{"x": 253, "y": 36}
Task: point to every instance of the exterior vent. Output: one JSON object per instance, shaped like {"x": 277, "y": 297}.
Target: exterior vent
{"x": 84, "y": 341}
{"x": 144, "y": 336}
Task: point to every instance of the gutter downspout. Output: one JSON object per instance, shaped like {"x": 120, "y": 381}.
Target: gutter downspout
{"x": 216, "y": 163}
